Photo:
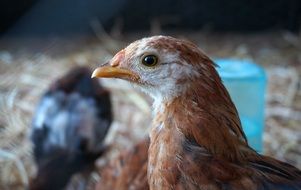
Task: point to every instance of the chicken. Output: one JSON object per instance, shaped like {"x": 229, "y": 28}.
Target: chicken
{"x": 68, "y": 128}
{"x": 196, "y": 140}
{"x": 127, "y": 171}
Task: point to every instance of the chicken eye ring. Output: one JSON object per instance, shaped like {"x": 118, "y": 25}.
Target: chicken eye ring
{"x": 149, "y": 60}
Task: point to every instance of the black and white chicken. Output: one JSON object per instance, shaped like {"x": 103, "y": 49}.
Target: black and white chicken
{"x": 68, "y": 128}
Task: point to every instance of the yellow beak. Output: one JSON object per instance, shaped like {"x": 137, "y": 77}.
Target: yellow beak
{"x": 112, "y": 69}
{"x": 114, "y": 72}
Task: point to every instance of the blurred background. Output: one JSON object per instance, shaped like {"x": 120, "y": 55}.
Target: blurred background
{"x": 40, "y": 40}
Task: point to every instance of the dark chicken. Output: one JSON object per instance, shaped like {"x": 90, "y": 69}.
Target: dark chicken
{"x": 68, "y": 128}
{"x": 196, "y": 141}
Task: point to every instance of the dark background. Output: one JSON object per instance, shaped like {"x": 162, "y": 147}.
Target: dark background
{"x": 67, "y": 17}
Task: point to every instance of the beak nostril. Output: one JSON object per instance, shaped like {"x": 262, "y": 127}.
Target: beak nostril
{"x": 105, "y": 64}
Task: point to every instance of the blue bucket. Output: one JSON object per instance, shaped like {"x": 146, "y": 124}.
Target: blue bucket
{"x": 246, "y": 82}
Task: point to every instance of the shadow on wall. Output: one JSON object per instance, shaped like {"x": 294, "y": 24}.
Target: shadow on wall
{"x": 65, "y": 17}
{"x": 58, "y": 17}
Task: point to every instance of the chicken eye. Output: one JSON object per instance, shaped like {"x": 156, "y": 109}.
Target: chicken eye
{"x": 149, "y": 60}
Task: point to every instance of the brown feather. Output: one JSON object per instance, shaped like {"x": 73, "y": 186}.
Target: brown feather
{"x": 127, "y": 171}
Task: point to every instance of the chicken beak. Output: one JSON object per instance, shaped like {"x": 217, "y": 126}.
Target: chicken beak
{"x": 114, "y": 72}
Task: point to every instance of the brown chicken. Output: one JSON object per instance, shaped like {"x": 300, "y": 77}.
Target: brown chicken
{"x": 127, "y": 171}
{"x": 196, "y": 141}
{"x": 68, "y": 128}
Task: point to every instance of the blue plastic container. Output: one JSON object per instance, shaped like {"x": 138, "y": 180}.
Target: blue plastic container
{"x": 246, "y": 83}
